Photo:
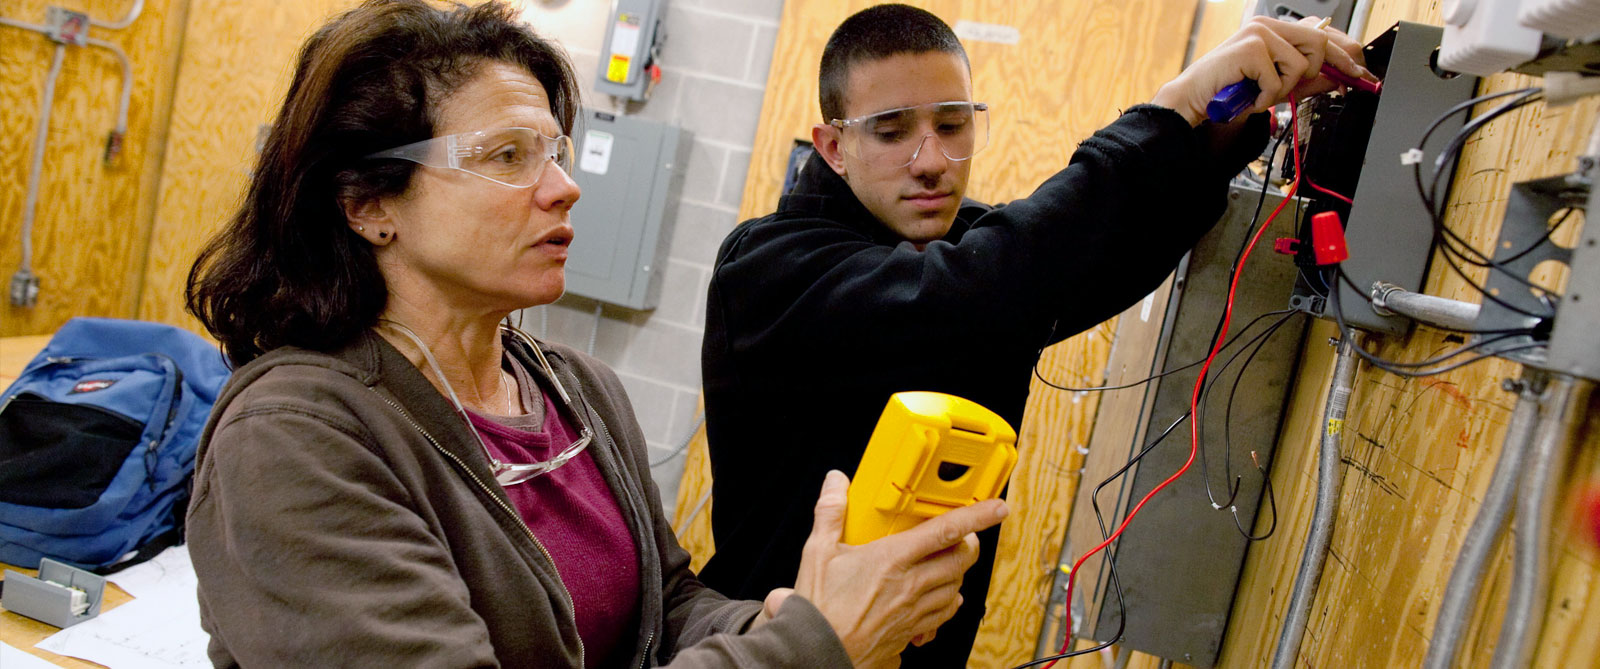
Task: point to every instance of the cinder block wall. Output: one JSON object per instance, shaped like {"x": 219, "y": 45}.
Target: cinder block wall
{"x": 714, "y": 71}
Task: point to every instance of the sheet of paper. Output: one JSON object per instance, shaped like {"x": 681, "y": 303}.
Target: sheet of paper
{"x": 14, "y": 658}
{"x": 159, "y": 629}
{"x": 169, "y": 571}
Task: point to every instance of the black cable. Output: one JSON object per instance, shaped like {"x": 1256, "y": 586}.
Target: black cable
{"x": 1111, "y": 553}
{"x": 1266, "y": 183}
{"x": 1271, "y": 501}
{"x": 1148, "y": 379}
{"x": 1233, "y": 271}
{"x": 1458, "y": 108}
{"x": 1450, "y": 243}
{"x": 1227, "y": 445}
{"x": 1205, "y": 472}
{"x": 1259, "y": 343}
{"x": 1430, "y": 196}
{"x": 1092, "y": 389}
{"x": 1392, "y": 368}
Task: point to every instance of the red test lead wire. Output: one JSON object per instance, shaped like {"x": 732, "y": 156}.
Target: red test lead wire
{"x": 1194, "y": 398}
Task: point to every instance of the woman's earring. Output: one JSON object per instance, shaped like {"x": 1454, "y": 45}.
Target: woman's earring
{"x": 361, "y": 228}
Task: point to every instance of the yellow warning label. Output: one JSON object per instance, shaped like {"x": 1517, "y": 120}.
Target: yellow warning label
{"x": 617, "y": 69}
{"x": 1335, "y": 426}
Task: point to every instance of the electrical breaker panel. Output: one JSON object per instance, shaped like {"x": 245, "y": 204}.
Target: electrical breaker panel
{"x": 631, "y": 172}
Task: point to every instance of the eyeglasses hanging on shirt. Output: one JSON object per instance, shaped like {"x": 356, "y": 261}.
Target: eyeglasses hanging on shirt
{"x": 510, "y": 473}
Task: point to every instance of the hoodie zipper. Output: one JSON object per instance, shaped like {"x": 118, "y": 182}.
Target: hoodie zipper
{"x": 499, "y": 503}
{"x": 644, "y": 658}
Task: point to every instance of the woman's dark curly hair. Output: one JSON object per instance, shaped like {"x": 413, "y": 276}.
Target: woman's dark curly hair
{"x": 287, "y": 270}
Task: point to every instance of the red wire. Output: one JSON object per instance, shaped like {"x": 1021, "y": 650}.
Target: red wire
{"x": 1194, "y": 398}
{"x": 1298, "y": 176}
{"x": 1329, "y": 192}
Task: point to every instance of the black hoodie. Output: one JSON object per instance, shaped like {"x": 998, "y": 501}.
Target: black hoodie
{"x": 819, "y": 312}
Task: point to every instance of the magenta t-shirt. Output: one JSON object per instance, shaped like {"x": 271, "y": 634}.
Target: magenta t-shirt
{"x": 573, "y": 513}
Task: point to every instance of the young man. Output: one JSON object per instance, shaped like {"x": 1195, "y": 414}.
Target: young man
{"x": 876, "y": 276}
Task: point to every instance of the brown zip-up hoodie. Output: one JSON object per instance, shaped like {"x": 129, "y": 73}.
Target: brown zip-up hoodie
{"x": 343, "y": 515}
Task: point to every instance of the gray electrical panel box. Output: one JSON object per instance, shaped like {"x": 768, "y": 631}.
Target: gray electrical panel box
{"x": 632, "y": 37}
{"x": 631, "y": 172}
{"x": 1388, "y": 231}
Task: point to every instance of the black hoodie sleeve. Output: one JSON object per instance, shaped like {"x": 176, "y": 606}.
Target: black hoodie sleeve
{"x": 1091, "y": 240}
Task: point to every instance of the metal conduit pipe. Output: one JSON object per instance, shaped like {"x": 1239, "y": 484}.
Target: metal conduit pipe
{"x": 1358, "y": 19}
{"x": 42, "y": 30}
{"x": 1309, "y": 574}
{"x": 1389, "y": 299}
{"x": 1461, "y": 593}
{"x": 126, "y": 20}
{"x": 1563, "y": 406}
{"x": 114, "y": 142}
{"x": 22, "y": 281}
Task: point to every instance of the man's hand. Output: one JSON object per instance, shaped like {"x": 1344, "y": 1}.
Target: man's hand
{"x": 880, "y": 596}
{"x": 1284, "y": 58}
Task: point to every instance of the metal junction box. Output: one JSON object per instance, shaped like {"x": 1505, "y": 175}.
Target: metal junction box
{"x": 631, "y": 172}
{"x": 1180, "y": 561}
{"x": 1388, "y": 231}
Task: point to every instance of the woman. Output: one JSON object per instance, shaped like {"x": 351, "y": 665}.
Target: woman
{"x": 392, "y": 477}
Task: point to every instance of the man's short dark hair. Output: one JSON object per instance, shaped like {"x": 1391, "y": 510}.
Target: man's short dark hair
{"x": 875, "y": 33}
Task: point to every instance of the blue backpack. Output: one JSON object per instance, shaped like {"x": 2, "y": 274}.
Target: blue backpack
{"x": 97, "y": 442}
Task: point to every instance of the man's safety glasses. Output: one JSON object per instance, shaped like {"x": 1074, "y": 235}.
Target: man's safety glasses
{"x": 514, "y": 157}
{"x": 895, "y": 138}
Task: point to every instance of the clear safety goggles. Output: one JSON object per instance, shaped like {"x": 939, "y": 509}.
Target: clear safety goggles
{"x": 509, "y": 473}
{"x": 514, "y": 157}
{"x": 895, "y": 138}
{"x": 512, "y": 473}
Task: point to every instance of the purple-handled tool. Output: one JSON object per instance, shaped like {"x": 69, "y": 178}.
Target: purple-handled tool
{"x": 1232, "y": 100}
{"x": 1229, "y": 102}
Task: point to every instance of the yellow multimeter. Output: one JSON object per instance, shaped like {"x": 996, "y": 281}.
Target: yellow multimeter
{"x": 930, "y": 453}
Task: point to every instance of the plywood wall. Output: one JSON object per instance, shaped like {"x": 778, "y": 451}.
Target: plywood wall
{"x": 1418, "y": 455}
{"x": 92, "y": 221}
{"x": 238, "y": 59}
{"x": 1077, "y": 64}
{"x": 118, "y": 240}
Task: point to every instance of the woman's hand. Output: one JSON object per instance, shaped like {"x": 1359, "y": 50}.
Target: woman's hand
{"x": 1284, "y": 58}
{"x": 881, "y": 595}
